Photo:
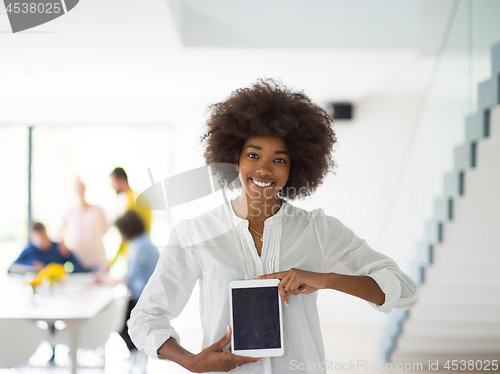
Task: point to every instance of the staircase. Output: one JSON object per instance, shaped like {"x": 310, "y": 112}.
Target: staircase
{"x": 457, "y": 266}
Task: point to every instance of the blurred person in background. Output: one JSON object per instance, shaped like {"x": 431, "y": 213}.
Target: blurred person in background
{"x": 119, "y": 182}
{"x": 86, "y": 225}
{"x": 141, "y": 262}
{"x": 41, "y": 251}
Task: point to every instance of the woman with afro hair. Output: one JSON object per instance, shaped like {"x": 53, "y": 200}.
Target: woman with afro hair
{"x": 278, "y": 145}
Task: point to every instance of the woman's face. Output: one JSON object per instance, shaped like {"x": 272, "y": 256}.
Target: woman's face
{"x": 264, "y": 166}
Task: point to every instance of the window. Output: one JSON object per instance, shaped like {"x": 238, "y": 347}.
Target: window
{"x": 59, "y": 154}
{"x": 14, "y": 192}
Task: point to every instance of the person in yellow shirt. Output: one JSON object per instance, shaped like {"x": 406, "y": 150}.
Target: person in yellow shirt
{"x": 119, "y": 182}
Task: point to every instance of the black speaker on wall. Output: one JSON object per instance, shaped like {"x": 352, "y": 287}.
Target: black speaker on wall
{"x": 340, "y": 110}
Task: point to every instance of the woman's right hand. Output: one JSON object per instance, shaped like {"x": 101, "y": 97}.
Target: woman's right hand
{"x": 214, "y": 358}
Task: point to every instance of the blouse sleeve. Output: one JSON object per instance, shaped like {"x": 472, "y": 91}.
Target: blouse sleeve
{"x": 164, "y": 297}
{"x": 346, "y": 253}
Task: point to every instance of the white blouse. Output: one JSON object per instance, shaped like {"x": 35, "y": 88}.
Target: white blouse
{"x": 216, "y": 248}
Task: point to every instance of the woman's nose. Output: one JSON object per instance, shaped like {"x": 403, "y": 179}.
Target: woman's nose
{"x": 264, "y": 168}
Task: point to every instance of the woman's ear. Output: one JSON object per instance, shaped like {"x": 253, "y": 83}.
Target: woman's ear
{"x": 237, "y": 163}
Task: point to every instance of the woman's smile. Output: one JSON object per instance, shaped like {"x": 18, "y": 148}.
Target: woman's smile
{"x": 264, "y": 167}
{"x": 261, "y": 184}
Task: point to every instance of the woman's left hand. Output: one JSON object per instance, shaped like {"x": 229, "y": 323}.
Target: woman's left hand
{"x": 296, "y": 281}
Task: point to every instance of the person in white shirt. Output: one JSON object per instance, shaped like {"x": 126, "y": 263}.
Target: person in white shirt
{"x": 86, "y": 225}
{"x": 280, "y": 144}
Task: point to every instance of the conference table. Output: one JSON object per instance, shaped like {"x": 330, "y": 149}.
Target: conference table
{"x": 74, "y": 301}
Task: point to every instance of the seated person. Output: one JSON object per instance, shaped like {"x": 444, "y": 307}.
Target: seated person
{"x": 42, "y": 251}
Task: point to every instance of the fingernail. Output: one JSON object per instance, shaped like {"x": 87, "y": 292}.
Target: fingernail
{"x": 228, "y": 330}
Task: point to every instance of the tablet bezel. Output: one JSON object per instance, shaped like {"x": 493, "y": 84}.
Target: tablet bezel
{"x": 256, "y": 283}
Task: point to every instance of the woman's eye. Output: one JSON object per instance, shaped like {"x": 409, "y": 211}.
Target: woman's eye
{"x": 252, "y": 155}
{"x": 280, "y": 160}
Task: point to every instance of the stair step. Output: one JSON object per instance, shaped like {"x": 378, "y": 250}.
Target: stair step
{"x": 444, "y": 329}
{"x": 463, "y": 297}
{"x": 475, "y": 126}
{"x": 432, "y": 231}
{"x": 442, "y": 211}
{"x": 485, "y": 179}
{"x": 462, "y": 157}
{"x": 495, "y": 122}
{"x": 478, "y": 210}
{"x": 448, "y": 345}
{"x": 442, "y": 275}
{"x": 452, "y": 184}
{"x": 454, "y": 252}
{"x": 423, "y": 313}
{"x": 495, "y": 60}
{"x": 444, "y": 295}
{"x": 488, "y": 153}
{"x": 487, "y": 94}
{"x": 468, "y": 247}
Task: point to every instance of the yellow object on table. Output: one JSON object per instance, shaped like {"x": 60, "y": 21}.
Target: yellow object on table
{"x": 53, "y": 272}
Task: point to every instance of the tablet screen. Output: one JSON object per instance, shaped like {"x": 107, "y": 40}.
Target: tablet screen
{"x": 256, "y": 322}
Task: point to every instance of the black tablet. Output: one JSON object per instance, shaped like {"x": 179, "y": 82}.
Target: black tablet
{"x": 256, "y": 318}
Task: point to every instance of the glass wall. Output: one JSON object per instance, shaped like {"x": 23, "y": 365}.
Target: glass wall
{"x": 14, "y": 192}
{"x": 464, "y": 62}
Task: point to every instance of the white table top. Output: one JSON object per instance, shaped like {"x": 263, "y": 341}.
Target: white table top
{"x": 77, "y": 298}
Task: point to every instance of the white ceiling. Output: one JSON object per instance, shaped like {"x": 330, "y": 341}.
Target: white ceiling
{"x": 333, "y": 24}
{"x": 160, "y": 61}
